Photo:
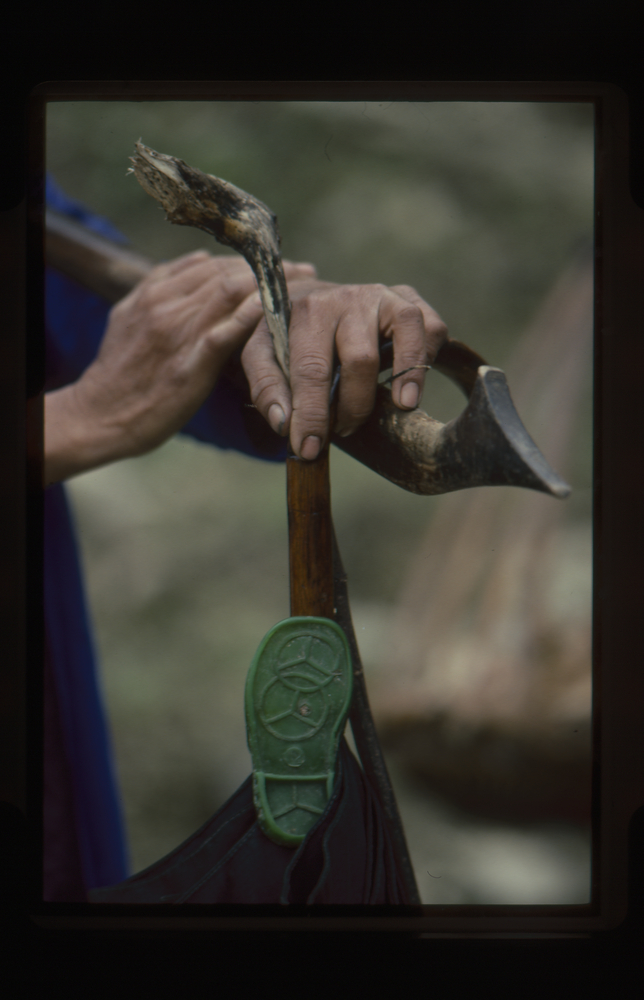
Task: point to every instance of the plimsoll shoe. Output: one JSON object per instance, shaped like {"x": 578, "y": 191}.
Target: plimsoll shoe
{"x": 298, "y": 693}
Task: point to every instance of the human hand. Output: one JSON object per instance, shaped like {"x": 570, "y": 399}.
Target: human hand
{"x": 353, "y": 320}
{"x": 162, "y": 352}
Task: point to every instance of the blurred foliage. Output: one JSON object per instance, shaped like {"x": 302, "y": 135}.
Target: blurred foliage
{"x": 479, "y": 206}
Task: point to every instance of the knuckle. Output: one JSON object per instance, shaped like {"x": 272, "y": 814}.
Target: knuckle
{"x": 409, "y": 314}
{"x": 342, "y": 296}
{"x": 196, "y": 257}
{"x": 263, "y": 390}
{"x": 165, "y": 327}
{"x": 359, "y": 360}
{"x": 214, "y": 338}
{"x": 406, "y": 291}
{"x": 248, "y": 311}
{"x": 315, "y": 370}
{"x": 233, "y": 286}
{"x": 311, "y": 416}
{"x": 148, "y": 296}
{"x": 226, "y": 284}
{"x": 157, "y": 313}
{"x": 438, "y": 330}
{"x": 160, "y": 271}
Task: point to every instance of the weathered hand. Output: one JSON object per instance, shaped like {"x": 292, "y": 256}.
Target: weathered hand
{"x": 162, "y": 352}
{"x": 353, "y": 320}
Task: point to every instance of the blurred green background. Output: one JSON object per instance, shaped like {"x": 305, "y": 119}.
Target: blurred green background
{"x": 479, "y": 206}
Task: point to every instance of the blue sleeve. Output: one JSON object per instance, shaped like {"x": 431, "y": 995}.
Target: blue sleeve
{"x": 97, "y": 815}
{"x": 75, "y": 321}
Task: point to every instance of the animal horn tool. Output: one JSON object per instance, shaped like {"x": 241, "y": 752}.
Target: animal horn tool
{"x": 306, "y": 677}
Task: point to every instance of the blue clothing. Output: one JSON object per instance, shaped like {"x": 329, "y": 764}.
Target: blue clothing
{"x": 75, "y": 321}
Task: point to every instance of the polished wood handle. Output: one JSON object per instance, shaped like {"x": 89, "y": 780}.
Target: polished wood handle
{"x": 308, "y": 494}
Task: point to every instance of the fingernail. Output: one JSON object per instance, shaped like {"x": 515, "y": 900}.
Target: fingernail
{"x": 409, "y": 395}
{"x": 310, "y": 448}
{"x": 344, "y": 432}
{"x": 276, "y": 418}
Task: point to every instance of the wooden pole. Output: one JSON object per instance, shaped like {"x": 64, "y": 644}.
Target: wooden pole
{"x": 310, "y": 533}
{"x": 319, "y": 588}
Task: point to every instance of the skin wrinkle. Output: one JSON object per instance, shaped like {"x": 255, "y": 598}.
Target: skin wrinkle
{"x": 263, "y": 384}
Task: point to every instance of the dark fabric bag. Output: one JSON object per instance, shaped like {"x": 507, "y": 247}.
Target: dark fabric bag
{"x": 346, "y": 858}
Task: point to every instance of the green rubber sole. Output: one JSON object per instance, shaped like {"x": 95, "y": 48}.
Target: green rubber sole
{"x": 298, "y": 693}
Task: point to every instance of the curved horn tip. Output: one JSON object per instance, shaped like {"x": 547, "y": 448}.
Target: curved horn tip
{"x": 560, "y": 491}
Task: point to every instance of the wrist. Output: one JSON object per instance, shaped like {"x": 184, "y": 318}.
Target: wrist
{"x": 74, "y": 442}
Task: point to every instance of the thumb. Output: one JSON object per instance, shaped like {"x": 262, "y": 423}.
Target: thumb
{"x": 232, "y": 332}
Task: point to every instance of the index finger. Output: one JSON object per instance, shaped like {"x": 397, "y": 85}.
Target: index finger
{"x": 311, "y": 339}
